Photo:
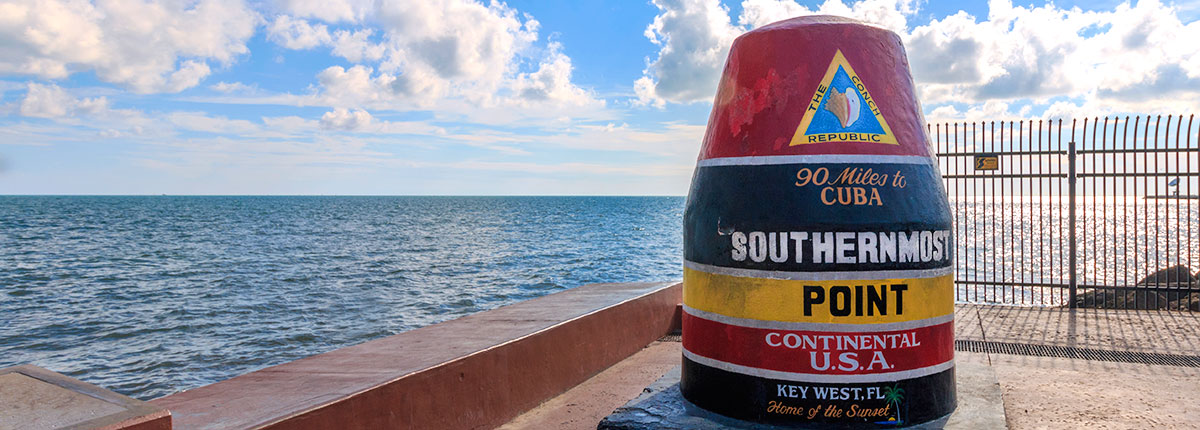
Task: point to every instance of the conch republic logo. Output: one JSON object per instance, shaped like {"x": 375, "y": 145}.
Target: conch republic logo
{"x": 842, "y": 110}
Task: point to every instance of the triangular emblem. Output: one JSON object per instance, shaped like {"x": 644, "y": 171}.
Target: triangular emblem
{"x": 842, "y": 110}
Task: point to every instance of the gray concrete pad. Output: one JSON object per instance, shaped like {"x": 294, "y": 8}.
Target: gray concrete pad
{"x": 32, "y": 398}
{"x": 33, "y": 404}
{"x": 980, "y": 397}
{"x": 662, "y": 407}
{"x": 1053, "y": 392}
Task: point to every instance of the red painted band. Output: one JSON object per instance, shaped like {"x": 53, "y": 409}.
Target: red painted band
{"x": 774, "y": 72}
{"x": 831, "y": 353}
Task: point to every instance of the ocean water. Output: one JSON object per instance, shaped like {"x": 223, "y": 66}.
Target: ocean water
{"x": 152, "y": 295}
{"x": 1119, "y": 241}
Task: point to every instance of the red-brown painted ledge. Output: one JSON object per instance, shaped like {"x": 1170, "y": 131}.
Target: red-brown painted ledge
{"x": 477, "y": 371}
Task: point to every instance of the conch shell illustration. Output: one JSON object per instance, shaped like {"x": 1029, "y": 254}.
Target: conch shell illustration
{"x": 844, "y": 105}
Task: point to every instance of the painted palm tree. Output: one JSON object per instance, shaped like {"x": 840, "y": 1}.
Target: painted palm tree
{"x": 894, "y": 395}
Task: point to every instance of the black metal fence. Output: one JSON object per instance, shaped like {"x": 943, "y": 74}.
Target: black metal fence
{"x": 1099, "y": 212}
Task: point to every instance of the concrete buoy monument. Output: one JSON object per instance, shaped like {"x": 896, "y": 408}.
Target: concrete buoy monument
{"x": 818, "y": 284}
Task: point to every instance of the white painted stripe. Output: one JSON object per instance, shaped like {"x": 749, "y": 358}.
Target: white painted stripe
{"x": 819, "y": 377}
{"x": 806, "y": 326}
{"x": 764, "y": 160}
{"x": 819, "y": 276}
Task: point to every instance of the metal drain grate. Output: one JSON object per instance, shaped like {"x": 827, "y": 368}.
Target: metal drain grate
{"x": 671, "y": 338}
{"x": 1078, "y": 353}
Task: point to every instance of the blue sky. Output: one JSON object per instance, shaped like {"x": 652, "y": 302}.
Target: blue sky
{"x": 523, "y": 97}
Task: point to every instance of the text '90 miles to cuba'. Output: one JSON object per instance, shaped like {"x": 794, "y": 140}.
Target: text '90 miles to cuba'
{"x": 854, "y": 186}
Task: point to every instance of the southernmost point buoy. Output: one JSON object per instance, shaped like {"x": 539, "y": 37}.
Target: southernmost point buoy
{"x": 818, "y": 284}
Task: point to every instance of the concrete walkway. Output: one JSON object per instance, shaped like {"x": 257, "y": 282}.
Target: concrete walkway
{"x": 1039, "y": 392}
{"x": 1052, "y": 392}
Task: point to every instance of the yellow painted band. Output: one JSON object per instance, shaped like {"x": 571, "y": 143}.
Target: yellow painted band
{"x": 785, "y": 300}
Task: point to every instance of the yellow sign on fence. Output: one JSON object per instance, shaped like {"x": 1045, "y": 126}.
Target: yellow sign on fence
{"x": 987, "y": 162}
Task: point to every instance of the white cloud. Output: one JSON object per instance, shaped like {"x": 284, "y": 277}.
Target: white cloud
{"x": 146, "y": 47}
{"x": 889, "y": 14}
{"x": 233, "y": 87}
{"x": 289, "y": 124}
{"x": 946, "y": 51}
{"x": 993, "y": 110}
{"x": 551, "y": 82}
{"x": 199, "y": 121}
{"x": 46, "y": 101}
{"x": 1066, "y": 110}
{"x": 1015, "y": 53}
{"x": 694, "y": 36}
{"x": 345, "y": 119}
{"x": 359, "y": 85}
{"x": 417, "y": 52}
{"x": 330, "y": 11}
{"x": 674, "y": 141}
{"x": 295, "y": 33}
{"x": 190, "y": 74}
{"x": 356, "y": 46}
{"x": 570, "y": 168}
{"x": 71, "y": 113}
{"x": 456, "y": 40}
{"x": 1147, "y": 50}
{"x": 1109, "y": 62}
{"x": 51, "y": 101}
{"x": 1106, "y": 61}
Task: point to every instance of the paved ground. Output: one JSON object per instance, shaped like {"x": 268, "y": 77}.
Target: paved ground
{"x": 1053, "y": 393}
{"x": 585, "y": 405}
{"x": 1038, "y": 392}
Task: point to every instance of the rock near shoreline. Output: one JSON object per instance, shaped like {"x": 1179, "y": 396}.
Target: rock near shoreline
{"x": 1141, "y": 297}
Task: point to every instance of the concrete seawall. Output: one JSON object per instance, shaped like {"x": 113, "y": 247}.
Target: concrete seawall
{"x": 477, "y": 371}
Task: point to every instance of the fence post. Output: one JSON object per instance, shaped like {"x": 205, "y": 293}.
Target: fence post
{"x": 1071, "y": 216}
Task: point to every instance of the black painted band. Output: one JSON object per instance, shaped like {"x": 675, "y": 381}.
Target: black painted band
{"x": 725, "y": 200}
{"x": 885, "y": 405}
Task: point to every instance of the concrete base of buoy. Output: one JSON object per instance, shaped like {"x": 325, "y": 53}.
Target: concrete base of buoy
{"x": 662, "y": 407}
